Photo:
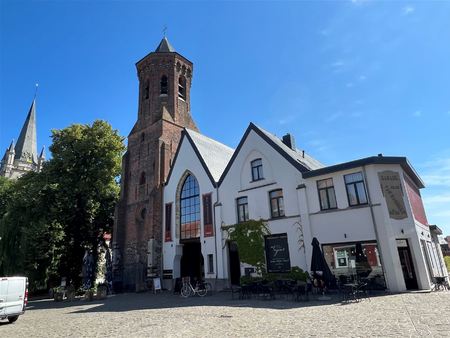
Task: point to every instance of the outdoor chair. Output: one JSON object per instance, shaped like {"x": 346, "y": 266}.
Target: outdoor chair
{"x": 361, "y": 291}
{"x": 264, "y": 290}
{"x": 440, "y": 284}
{"x": 301, "y": 291}
{"x": 236, "y": 289}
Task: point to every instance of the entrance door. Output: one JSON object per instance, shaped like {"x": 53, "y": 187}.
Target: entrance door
{"x": 407, "y": 266}
{"x": 192, "y": 264}
{"x": 235, "y": 264}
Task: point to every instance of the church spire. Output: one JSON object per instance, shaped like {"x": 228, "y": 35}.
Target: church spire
{"x": 26, "y": 147}
{"x": 164, "y": 46}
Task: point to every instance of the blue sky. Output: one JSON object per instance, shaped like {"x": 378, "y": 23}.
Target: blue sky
{"x": 349, "y": 79}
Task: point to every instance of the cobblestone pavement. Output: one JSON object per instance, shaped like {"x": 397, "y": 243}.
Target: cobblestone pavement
{"x": 167, "y": 315}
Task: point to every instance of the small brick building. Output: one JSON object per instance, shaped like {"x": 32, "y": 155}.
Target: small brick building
{"x": 164, "y": 110}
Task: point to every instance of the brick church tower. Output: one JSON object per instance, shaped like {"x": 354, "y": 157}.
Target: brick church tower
{"x": 164, "y": 110}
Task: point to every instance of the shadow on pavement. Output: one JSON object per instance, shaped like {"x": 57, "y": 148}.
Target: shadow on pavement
{"x": 148, "y": 301}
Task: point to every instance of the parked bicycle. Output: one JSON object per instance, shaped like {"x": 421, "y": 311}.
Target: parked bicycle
{"x": 188, "y": 290}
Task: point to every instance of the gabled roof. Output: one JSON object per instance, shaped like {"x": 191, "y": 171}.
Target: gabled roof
{"x": 300, "y": 156}
{"x": 27, "y": 144}
{"x": 299, "y": 159}
{"x": 214, "y": 156}
{"x": 164, "y": 47}
{"x": 402, "y": 161}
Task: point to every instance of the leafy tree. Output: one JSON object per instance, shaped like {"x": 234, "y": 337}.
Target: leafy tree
{"x": 86, "y": 162}
{"x": 50, "y": 218}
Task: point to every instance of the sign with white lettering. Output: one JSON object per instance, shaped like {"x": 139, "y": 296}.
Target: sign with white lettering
{"x": 277, "y": 253}
{"x": 391, "y": 186}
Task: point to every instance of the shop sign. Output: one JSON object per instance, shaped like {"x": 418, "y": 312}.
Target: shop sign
{"x": 391, "y": 187}
{"x": 277, "y": 253}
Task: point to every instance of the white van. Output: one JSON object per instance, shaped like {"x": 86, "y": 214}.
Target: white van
{"x": 13, "y": 297}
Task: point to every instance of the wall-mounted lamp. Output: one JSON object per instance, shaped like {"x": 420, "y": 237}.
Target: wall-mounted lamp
{"x": 345, "y": 235}
{"x": 402, "y": 231}
{"x": 422, "y": 233}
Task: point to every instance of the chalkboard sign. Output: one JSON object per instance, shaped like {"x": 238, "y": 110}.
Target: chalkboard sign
{"x": 156, "y": 284}
{"x": 277, "y": 253}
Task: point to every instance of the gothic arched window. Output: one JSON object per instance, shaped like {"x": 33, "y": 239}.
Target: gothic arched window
{"x": 182, "y": 87}
{"x": 190, "y": 209}
{"x": 164, "y": 85}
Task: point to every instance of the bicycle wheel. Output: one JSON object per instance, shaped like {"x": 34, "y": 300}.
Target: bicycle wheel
{"x": 185, "y": 291}
{"x": 202, "y": 290}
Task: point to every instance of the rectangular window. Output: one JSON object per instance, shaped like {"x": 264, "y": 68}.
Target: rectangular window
{"x": 210, "y": 263}
{"x": 207, "y": 215}
{"x": 356, "y": 190}
{"x": 257, "y": 170}
{"x": 168, "y": 225}
{"x": 242, "y": 209}
{"x": 276, "y": 203}
{"x": 327, "y": 196}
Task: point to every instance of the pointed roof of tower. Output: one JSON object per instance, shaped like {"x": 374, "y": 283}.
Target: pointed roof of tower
{"x": 164, "y": 47}
{"x": 27, "y": 144}
{"x": 11, "y": 146}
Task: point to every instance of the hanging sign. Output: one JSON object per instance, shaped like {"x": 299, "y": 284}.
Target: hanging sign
{"x": 391, "y": 186}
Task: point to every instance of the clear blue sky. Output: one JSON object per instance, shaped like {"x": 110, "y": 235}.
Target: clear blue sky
{"x": 349, "y": 79}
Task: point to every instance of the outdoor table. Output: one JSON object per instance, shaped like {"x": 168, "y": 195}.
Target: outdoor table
{"x": 350, "y": 290}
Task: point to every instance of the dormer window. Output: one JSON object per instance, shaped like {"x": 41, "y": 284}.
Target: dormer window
{"x": 164, "y": 85}
{"x": 257, "y": 170}
{"x": 182, "y": 87}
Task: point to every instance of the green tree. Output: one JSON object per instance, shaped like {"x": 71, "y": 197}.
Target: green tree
{"x": 85, "y": 166}
{"x": 49, "y": 219}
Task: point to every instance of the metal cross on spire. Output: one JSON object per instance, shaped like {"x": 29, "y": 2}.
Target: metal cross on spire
{"x": 164, "y": 30}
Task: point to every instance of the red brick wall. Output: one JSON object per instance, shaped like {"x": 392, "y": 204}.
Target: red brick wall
{"x": 152, "y": 144}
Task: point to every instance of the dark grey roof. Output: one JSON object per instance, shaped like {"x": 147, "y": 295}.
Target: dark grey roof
{"x": 298, "y": 159}
{"x": 26, "y": 146}
{"x": 402, "y": 161}
{"x": 164, "y": 47}
{"x": 300, "y": 156}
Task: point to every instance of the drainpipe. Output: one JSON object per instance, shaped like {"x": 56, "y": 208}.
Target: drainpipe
{"x": 374, "y": 223}
{"x": 215, "y": 231}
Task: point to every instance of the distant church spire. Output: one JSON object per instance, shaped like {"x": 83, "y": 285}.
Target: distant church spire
{"x": 26, "y": 146}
